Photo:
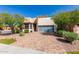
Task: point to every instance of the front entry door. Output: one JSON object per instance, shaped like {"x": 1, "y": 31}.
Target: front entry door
{"x": 35, "y": 27}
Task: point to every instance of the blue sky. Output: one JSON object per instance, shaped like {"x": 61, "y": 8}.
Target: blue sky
{"x": 36, "y": 10}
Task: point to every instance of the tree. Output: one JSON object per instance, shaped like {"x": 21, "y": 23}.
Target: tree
{"x": 19, "y": 20}
{"x": 67, "y": 20}
{"x": 8, "y": 20}
{"x": 1, "y": 22}
{"x": 11, "y": 20}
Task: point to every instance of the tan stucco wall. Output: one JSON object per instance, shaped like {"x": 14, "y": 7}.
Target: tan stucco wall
{"x": 76, "y": 29}
{"x": 45, "y": 21}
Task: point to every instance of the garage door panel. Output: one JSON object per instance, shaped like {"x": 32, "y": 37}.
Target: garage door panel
{"x": 46, "y": 28}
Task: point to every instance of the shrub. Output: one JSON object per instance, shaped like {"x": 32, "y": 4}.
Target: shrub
{"x": 60, "y": 32}
{"x": 31, "y": 31}
{"x": 21, "y": 34}
{"x": 17, "y": 31}
{"x": 70, "y": 36}
{"x": 26, "y": 31}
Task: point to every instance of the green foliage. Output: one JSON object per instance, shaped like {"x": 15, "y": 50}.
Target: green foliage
{"x": 17, "y": 31}
{"x": 30, "y": 30}
{"x": 19, "y": 19}
{"x": 60, "y": 32}
{"x": 26, "y": 31}
{"x": 66, "y": 20}
{"x": 7, "y": 19}
{"x": 11, "y": 20}
{"x": 70, "y": 36}
{"x": 71, "y": 52}
{"x": 21, "y": 34}
{"x": 7, "y": 40}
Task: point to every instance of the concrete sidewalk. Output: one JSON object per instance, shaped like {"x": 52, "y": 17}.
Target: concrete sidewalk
{"x": 6, "y": 49}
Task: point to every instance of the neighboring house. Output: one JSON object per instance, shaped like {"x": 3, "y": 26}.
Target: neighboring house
{"x": 6, "y": 27}
{"x": 39, "y": 24}
{"x": 5, "y": 30}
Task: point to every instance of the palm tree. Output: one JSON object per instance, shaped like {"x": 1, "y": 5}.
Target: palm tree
{"x": 19, "y": 20}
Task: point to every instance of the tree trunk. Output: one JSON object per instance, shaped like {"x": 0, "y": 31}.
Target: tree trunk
{"x": 69, "y": 27}
{"x": 12, "y": 29}
{"x": 21, "y": 27}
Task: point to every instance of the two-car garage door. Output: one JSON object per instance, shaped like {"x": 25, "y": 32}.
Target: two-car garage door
{"x": 46, "y": 28}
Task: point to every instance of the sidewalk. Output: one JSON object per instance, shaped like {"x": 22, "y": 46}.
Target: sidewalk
{"x": 6, "y": 49}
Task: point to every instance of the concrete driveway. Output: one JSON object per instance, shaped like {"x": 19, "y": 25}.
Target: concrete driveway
{"x": 7, "y": 49}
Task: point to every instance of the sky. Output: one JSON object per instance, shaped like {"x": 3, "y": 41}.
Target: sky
{"x": 36, "y": 10}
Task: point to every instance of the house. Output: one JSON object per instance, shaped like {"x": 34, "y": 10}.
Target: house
{"x": 5, "y": 30}
{"x": 39, "y": 24}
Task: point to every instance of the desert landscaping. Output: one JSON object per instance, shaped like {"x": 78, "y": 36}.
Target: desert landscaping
{"x": 42, "y": 42}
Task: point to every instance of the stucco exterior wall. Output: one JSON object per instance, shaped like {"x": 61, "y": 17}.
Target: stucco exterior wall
{"x": 45, "y": 21}
{"x": 76, "y": 29}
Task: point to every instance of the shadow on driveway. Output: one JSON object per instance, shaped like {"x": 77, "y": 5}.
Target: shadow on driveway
{"x": 63, "y": 40}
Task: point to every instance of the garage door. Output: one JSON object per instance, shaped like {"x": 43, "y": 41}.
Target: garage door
{"x": 46, "y": 28}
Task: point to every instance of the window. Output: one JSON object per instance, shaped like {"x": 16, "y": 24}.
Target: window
{"x": 26, "y": 26}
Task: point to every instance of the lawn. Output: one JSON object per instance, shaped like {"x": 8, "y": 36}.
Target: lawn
{"x": 7, "y": 41}
{"x": 72, "y": 52}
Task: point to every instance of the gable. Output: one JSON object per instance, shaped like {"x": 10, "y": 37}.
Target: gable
{"x": 45, "y": 21}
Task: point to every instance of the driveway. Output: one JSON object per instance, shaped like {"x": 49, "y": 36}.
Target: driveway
{"x": 39, "y": 41}
{"x": 43, "y": 42}
{"x": 4, "y": 49}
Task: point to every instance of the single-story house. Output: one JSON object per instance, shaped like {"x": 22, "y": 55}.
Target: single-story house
{"x": 40, "y": 24}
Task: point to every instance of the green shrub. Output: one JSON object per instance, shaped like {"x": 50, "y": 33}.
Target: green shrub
{"x": 60, "y": 32}
{"x": 30, "y": 30}
{"x": 26, "y": 31}
{"x": 17, "y": 31}
{"x": 70, "y": 36}
{"x": 21, "y": 34}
